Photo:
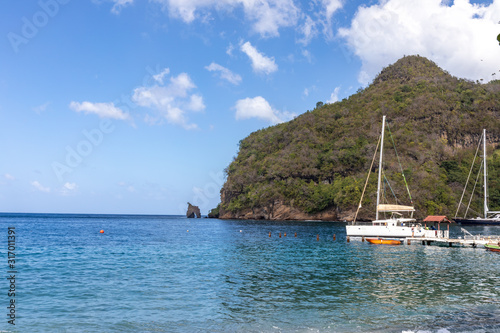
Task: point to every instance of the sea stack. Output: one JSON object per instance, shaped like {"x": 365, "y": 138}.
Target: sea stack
{"x": 192, "y": 211}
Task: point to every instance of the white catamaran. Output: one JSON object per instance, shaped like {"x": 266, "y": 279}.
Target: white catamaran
{"x": 396, "y": 226}
{"x": 489, "y": 217}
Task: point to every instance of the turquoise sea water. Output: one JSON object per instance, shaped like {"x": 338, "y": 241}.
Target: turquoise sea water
{"x": 172, "y": 274}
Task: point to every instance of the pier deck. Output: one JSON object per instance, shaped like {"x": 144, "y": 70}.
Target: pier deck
{"x": 467, "y": 241}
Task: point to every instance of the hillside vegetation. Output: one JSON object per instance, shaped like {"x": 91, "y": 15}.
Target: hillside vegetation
{"x": 319, "y": 161}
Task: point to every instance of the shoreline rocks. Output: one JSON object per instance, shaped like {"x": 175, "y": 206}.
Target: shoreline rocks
{"x": 214, "y": 213}
{"x": 282, "y": 212}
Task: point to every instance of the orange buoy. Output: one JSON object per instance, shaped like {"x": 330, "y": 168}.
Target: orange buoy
{"x": 269, "y": 234}
{"x": 295, "y": 234}
{"x": 334, "y": 237}
{"x": 317, "y": 237}
{"x": 102, "y": 231}
{"x": 280, "y": 234}
{"x": 285, "y": 234}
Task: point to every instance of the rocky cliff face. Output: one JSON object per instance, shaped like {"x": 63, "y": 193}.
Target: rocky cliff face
{"x": 214, "y": 213}
{"x": 279, "y": 211}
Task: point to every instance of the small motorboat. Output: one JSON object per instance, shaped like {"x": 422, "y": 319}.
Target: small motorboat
{"x": 492, "y": 247}
{"x": 383, "y": 241}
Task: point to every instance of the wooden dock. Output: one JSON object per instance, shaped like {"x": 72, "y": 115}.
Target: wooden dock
{"x": 467, "y": 241}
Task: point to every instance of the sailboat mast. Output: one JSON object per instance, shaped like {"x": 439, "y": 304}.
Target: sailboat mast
{"x": 485, "y": 172}
{"x": 380, "y": 165}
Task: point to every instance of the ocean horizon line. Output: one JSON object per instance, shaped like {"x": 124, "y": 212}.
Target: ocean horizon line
{"x": 88, "y": 214}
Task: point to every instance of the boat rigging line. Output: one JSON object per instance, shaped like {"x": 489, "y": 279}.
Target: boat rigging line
{"x": 367, "y": 178}
{"x": 473, "y": 190}
{"x": 399, "y": 162}
{"x": 468, "y": 177}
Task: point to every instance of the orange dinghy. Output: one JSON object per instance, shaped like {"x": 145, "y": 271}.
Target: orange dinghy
{"x": 383, "y": 241}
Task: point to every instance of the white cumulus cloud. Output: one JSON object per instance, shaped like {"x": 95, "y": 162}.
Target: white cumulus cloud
{"x": 103, "y": 110}
{"x": 334, "y": 97}
{"x": 119, "y": 4}
{"x": 172, "y": 100}
{"x": 265, "y": 16}
{"x": 319, "y": 18}
{"x": 308, "y": 29}
{"x": 224, "y": 73}
{"x": 68, "y": 188}
{"x": 260, "y": 63}
{"x": 258, "y": 107}
{"x": 159, "y": 77}
{"x": 331, "y": 6}
{"x": 36, "y": 184}
{"x": 268, "y": 16}
{"x": 195, "y": 103}
{"x": 41, "y": 108}
{"x": 460, "y": 38}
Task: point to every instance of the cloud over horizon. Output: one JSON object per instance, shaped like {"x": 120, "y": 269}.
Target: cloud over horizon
{"x": 68, "y": 189}
{"x": 36, "y": 184}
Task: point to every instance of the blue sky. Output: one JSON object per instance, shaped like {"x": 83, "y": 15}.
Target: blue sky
{"x": 128, "y": 106}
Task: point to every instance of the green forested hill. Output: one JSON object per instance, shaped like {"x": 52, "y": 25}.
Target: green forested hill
{"x": 319, "y": 161}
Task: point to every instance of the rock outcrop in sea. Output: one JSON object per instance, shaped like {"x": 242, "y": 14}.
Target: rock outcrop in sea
{"x": 193, "y": 211}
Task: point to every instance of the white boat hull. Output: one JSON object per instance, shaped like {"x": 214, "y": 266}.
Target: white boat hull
{"x": 384, "y": 231}
{"x": 394, "y": 231}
